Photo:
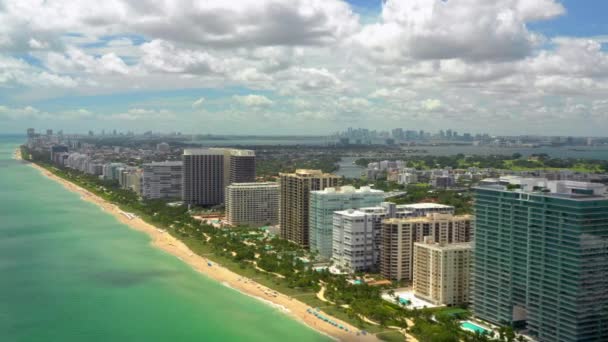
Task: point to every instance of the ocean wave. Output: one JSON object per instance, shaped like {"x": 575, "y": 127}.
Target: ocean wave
{"x": 264, "y": 300}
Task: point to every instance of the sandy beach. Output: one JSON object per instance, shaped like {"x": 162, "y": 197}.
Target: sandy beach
{"x": 170, "y": 244}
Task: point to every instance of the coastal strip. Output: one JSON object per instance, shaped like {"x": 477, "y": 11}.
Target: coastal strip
{"x": 173, "y": 246}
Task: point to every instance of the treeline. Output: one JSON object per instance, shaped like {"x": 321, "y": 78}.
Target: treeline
{"x": 270, "y": 166}
{"x": 515, "y": 161}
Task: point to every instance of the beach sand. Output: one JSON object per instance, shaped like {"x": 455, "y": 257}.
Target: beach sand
{"x": 172, "y": 245}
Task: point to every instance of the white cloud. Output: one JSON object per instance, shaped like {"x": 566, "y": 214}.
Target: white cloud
{"x": 159, "y": 55}
{"x": 252, "y": 100}
{"x": 469, "y": 29}
{"x": 16, "y": 72}
{"x": 431, "y": 104}
{"x": 198, "y": 103}
{"x": 472, "y": 61}
{"x": 138, "y": 114}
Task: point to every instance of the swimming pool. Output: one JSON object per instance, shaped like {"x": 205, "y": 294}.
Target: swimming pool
{"x": 473, "y": 327}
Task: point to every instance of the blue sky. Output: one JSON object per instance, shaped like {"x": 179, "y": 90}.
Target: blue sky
{"x": 504, "y": 67}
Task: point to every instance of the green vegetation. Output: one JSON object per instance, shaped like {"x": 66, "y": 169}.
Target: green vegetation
{"x": 270, "y": 166}
{"x": 390, "y": 336}
{"x": 462, "y": 200}
{"x": 515, "y": 162}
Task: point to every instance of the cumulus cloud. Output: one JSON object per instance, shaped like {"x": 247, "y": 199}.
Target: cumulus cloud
{"x": 473, "y": 60}
{"x": 253, "y": 100}
{"x": 16, "y": 72}
{"x": 474, "y": 30}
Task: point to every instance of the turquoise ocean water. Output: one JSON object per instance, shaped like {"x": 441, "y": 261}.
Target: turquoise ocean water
{"x": 70, "y": 272}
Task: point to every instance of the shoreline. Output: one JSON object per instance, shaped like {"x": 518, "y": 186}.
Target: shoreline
{"x": 169, "y": 244}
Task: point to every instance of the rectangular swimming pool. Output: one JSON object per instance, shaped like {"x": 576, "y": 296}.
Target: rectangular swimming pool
{"x": 473, "y": 327}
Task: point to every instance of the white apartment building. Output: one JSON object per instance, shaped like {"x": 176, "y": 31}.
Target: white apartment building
{"x": 442, "y": 272}
{"x": 353, "y": 241}
{"x": 323, "y": 204}
{"x": 253, "y": 204}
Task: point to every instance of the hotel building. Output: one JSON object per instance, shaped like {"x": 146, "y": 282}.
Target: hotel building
{"x": 253, "y": 204}
{"x": 207, "y": 172}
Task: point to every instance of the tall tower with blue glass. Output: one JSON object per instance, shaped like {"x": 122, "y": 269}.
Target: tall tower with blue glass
{"x": 541, "y": 257}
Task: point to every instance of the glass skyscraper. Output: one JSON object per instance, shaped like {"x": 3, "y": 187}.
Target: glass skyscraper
{"x": 541, "y": 257}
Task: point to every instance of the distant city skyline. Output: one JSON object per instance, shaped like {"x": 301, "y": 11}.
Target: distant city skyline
{"x": 272, "y": 67}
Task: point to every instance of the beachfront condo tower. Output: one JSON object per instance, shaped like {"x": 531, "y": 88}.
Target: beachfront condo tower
{"x": 253, "y": 204}
{"x": 541, "y": 257}
{"x": 208, "y": 171}
{"x": 398, "y": 235}
{"x": 324, "y": 202}
{"x": 295, "y": 202}
{"x": 442, "y": 272}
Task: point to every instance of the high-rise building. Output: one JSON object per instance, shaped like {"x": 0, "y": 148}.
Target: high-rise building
{"x": 541, "y": 257}
{"x": 110, "y": 171}
{"x": 253, "y": 204}
{"x": 162, "y": 180}
{"x": 295, "y": 202}
{"x": 242, "y": 166}
{"x": 324, "y": 202}
{"x": 57, "y": 149}
{"x": 203, "y": 176}
{"x": 442, "y": 272}
{"x": 31, "y": 132}
{"x": 397, "y": 238}
{"x": 353, "y": 248}
{"x": 207, "y": 172}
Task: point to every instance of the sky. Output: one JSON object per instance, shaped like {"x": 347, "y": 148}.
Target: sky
{"x": 503, "y": 67}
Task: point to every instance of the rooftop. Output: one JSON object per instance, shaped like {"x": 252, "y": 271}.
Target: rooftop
{"x": 573, "y": 190}
{"x": 425, "y": 206}
{"x": 202, "y": 152}
{"x": 218, "y": 151}
{"x": 165, "y": 163}
{"x": 304, "y": 173}
{"x": 429, "y": 217}
{"x": 445, "y": 246}
{"x": 347, "y": 189}
{"x": 253, "y": 185}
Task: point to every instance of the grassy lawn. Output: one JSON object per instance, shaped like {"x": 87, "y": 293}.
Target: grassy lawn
{"x": 391, "y": 336}
{"x": 311, "y": 299}
{"x": 452, "y": 312}
{"x": 340, "y": 314}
